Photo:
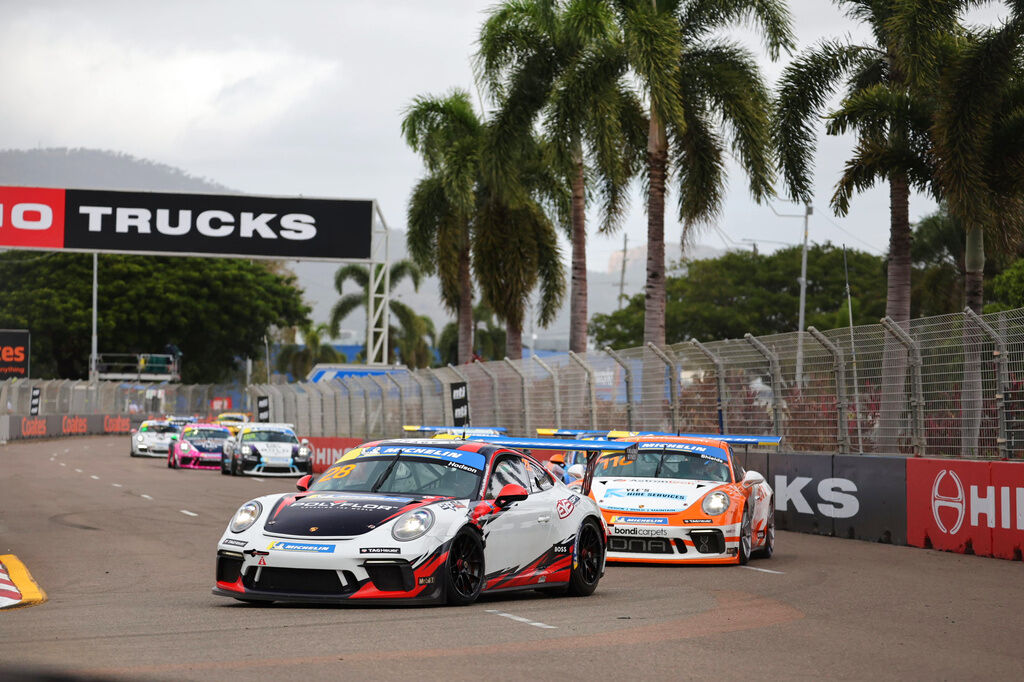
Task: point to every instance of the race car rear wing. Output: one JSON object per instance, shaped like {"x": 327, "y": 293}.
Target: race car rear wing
{"x": 464, "y": 430}
{"x": 626, "y": 447}
{"x": 760, "y": 441}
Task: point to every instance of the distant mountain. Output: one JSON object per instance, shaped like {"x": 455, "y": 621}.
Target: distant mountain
{"x": 97, "y": 169}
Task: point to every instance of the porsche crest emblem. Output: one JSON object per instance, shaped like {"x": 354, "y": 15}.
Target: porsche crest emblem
{"x": 314, "y": 529}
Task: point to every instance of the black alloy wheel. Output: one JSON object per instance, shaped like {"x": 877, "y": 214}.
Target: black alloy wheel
{"x": 587, "y": 562}
{"x": 465, "y": 568}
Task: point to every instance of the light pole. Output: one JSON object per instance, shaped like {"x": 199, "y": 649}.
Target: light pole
{"x": 808, "y": 211}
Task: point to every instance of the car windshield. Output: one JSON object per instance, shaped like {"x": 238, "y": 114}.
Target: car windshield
{"x": 206, "y": 434}
{"x": 269, "y": 437}
{"x": 408, "y": 476}
{"x": 159, "y": 428}
{"x": 651, "y": 463}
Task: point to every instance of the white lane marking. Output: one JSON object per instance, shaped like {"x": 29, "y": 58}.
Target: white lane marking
{"x": 258, "y": 479}
{"x": 67, "y": 450}
{"x": 520, "y": 619}
{"x": 763, "y": 570}
{"x": 186, "y": 512}
{"x": 117, "y": 485}
{"x": 145, "y": 496}
{"x": 95, "y": 478}
{"x": 78, "y": 470}
{"x": 63, "y": 464}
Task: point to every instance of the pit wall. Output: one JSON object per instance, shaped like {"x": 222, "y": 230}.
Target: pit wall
{"x": 971, "y": 507}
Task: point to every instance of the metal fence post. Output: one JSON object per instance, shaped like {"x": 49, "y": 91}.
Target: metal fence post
{"x": 773, "y": 364}
{"x": 383, "y": 385}
{"x": 1002, "y": 378}
{"x": 526, "y": 405}
{"x": 554, "y": 383}
{"x": 723, "y": 417}
{"x": 423, "y": 396}
{"x": 401, "y": 398}
{"x": 673, "y": 381}
{"x": 591, "y": 396}
{"x": 494, "y": 391}
{"x": 840, "y": 367}
{"x": 629, "y": 384}
{"x": 444, "y": 403}
{"x": 917, "y": 393}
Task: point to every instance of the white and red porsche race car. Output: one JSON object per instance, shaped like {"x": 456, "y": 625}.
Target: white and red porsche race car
{"x": 421, "y": 521}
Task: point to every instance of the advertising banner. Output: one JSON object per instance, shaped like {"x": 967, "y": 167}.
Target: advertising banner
{"x": 326, "y": 451}
{"x": 185, "y": 224}
{"x": 802, "y": 485}
{"x": 964, "y": 506}
{"x": 459, "y": 394}
{"x": 263, "y": 408}
{"x": 60, "y": 425}
{"x": 15, "y": 354}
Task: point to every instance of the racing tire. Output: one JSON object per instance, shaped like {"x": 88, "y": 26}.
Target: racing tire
{"x": 464, "y": 568}
{"x": 588, "y": 560}
{"x": 768, "y": 550}
{"x": 746, "y": 537}
{"x": 223, "y": 471}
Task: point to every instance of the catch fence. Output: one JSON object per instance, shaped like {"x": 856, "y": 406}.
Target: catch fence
{"x": 940, "y": 386}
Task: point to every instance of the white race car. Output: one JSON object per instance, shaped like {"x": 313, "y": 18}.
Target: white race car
{"x": 266, "y": 450}
{"x": 153, "y": 438}
{"x": 421, "y": 521}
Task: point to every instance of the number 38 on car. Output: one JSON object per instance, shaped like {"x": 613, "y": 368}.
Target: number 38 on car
{"x": 421, "y": 521}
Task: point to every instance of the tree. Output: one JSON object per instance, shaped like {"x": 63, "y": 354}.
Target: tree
{"x": 701, "y": 90}
{"x": 744, "y": 292}
{"x": 447, "y": 133}
{"x": 564, "y": 63}
{"x": 216, "y": 310}
{"x": 410, "y": 335}
{"x": 489, "y": 337}
{"x": 298, "y": 359}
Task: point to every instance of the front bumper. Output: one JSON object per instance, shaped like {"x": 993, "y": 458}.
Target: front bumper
{"x": 150, "y": 449}
{"x": 343, "y": 575}
{"x": 205, "y": 460}
{"x": 261, "y": 468}
{"x": 696, "y": 544}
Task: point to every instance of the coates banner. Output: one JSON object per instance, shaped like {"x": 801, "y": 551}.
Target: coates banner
{"x": 58, "y": 426}
{"x": 15, "y": 353}
{"x": 964, "y": 506}
{"x": 185, "y": 224}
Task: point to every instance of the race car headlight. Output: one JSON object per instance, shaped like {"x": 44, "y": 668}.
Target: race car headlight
{"x": 185, "y": 446}
{"x": 412, "y": 525}
{"x": 139, "y": 437}
{"x": 715, "y": 503}
{"x": 246, "y": 450}
{"x": 245, "y": 516}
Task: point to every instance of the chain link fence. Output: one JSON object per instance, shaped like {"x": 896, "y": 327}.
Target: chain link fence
{"x": 950, "y": 386}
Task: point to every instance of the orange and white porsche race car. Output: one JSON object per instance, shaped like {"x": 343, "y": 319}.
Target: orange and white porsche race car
{"x": 682, "y": 500}
{"x": 673, "y": 499}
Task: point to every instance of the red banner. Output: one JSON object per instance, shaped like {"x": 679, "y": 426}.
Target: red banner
{"x": 326, "y": 451}
{"x": 965, "y": 506}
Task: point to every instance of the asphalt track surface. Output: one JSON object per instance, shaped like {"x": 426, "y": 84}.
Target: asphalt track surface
{"x": 128, "y": 574}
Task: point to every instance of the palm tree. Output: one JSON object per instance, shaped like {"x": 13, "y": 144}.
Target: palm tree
{"x": 564, "y": 62}
{"x": 411, "y": 325}
{"x": 700, "y": 89}
{"x": 414, "y": 338}
{"x": 299, "y": 359}
{"x": 489, "y": 337}
{"x": 447, "y": 133}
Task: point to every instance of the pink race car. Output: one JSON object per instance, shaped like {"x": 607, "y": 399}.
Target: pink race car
{"x": 199, "y": 446}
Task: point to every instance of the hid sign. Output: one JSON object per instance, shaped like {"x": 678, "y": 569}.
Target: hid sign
{"x": 185, "y": 224}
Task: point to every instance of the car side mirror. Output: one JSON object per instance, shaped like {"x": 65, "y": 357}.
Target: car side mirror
{"x": 509, "y": 494}
{"x": 752, "y": 478}
{"x": 303, "y": 483}
{"x": 577, "y": 471}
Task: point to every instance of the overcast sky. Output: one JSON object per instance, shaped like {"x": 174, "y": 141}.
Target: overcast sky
{"x": 305, "y": 97}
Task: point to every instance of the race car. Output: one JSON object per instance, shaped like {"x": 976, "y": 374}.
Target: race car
{"x": 459, "y": 432}
{"x": 199, "y": 446}
{"x": 416, "y": 521}
{"x": 233, "y": 420}
{"x": 266, "y": 450}
{"x": 180, "y": 420}
{"x": 153, "y": 438}
{"x": 675, "y": 500}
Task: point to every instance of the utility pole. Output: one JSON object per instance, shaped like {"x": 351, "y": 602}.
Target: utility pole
{"x": 622, "y": 272}
{"x": 94, "y": 357}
